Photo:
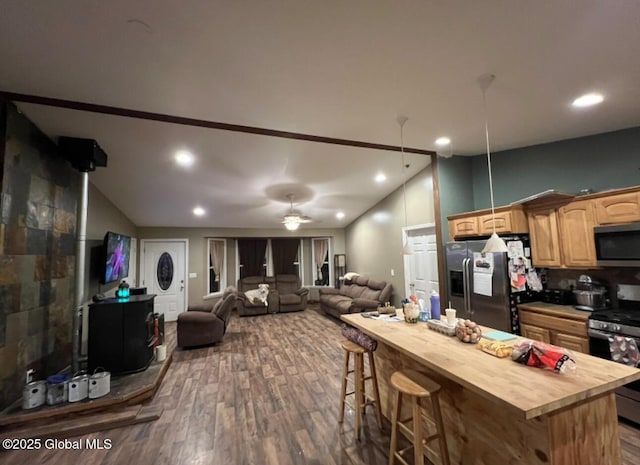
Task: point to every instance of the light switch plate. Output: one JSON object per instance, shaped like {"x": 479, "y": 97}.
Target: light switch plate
{"x": 193, "y": 275}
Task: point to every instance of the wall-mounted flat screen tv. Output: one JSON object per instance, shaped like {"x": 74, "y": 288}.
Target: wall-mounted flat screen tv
{"x": 117, "y": 250}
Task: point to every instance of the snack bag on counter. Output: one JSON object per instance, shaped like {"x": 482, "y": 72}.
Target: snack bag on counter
{"x": 497, "y": 348}
{"x": 540, "y": 354}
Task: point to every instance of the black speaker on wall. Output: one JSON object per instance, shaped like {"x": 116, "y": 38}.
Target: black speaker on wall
{"x": 84, "y": 154}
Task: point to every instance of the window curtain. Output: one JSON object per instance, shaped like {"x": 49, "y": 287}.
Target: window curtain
{"x": 251, "y": 253}
{"x": 284, "y": 252}
{"x": 321, "y": 247}
{"x": 217, "y": 257}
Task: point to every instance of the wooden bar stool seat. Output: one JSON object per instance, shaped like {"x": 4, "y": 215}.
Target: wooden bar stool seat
{"x": 361, "y": 398}
{"x": 416, "y": 386}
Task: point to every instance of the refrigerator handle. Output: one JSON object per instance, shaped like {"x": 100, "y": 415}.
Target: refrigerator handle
{"x": 466, "y": 287}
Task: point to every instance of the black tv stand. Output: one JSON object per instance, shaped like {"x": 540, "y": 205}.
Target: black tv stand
{"x": 121, "y": 334}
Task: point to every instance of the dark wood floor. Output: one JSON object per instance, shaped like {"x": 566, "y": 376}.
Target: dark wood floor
{"x": 267, "y": 395}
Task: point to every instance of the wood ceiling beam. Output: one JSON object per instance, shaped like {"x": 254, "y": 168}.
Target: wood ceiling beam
{"x": 150, "y": 116}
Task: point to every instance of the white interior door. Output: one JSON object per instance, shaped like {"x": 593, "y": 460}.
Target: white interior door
{"x": 421, "y": 267}
{"x": 163, "y": 271}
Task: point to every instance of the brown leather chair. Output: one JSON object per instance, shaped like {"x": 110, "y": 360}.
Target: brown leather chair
{"x": 205, "y": 324}
{"x": 291, "y": 297}
{"x": 246, "y": 307}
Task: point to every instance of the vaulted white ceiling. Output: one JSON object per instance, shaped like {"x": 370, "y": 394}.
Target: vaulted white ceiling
{"x": 340, "y": 69}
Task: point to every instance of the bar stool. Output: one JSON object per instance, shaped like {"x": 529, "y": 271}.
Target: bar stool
{"x": 361, "y": 399}
{"x": 416, "y": 386}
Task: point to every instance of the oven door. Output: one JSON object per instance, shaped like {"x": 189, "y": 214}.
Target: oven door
{"x": 627, "y": 396}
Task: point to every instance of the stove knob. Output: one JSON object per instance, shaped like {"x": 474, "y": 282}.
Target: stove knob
{"x": 604, "y": 325}
{"x": 616, "y": 328}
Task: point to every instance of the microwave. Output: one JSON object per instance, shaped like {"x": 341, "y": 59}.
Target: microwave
{"x": 618, "y": 244}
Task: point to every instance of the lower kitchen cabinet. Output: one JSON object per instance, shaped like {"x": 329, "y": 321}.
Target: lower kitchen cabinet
{"x": 535, "y": 333}
{"x": 576, "y": 343}
{"x": 559, "y": 325}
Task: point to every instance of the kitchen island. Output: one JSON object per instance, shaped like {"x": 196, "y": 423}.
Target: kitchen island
{"x": 497, "y": 411}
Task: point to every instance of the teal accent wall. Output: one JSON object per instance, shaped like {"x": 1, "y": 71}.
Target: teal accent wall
{"x": 600, "y": 162}
{"x": 455, "y": 182}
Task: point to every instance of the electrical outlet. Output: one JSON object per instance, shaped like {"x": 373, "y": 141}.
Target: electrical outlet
{"x": 29, "y": 375}
{"x": 571, "y": 283}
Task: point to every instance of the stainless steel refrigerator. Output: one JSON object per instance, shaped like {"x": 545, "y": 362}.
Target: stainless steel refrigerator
{"x": 498, "y": 310}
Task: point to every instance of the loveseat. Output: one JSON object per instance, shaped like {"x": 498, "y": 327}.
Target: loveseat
{"x": 359, "y": 294}
{"x": 248, "y": 307}
{"x": 285, "y": 295}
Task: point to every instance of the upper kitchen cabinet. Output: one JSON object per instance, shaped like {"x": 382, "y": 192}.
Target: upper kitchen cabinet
{"x": 577, "y": 220}
{"x": 508, "y": 220}
{"x": 545, "y": 237}
{"x": 463, "y": 227}
{"x": 562, "y": 236}
{"x": 618, "y": 208}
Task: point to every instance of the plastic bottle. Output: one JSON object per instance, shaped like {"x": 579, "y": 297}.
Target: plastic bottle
{"x": 435, "y": 305}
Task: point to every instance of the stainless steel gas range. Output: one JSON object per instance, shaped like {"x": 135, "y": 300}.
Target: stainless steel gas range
{"x": 615, "y": 335}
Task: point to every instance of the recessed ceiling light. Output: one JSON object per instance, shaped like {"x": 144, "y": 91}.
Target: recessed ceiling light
{"x": 380, "y": 177}
{"x": 588, "y": 100}
{"x": 441, "y": 141}
{"x": 340, "y": 215}
{"x": 198, "y": 211}
{"x": 184, "y": 158}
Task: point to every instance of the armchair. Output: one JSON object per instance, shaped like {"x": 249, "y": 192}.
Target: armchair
{"x": 291, "y": 297}
{"x": 205, "y": 324}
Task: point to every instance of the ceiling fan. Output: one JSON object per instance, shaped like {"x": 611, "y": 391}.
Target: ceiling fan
{"x": 294, "y": 219}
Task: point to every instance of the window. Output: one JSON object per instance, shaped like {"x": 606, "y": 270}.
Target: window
{"x": 217, "y": 269}
{"x": 320, "y": 261}
{"x": 252, "y": 257}
{"x": 269, "y": 257}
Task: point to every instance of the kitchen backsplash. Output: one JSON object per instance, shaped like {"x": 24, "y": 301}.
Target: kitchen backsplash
{"x": 610, "y": 277}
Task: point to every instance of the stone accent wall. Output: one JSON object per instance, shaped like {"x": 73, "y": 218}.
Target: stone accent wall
{"x": 37, "y": 254}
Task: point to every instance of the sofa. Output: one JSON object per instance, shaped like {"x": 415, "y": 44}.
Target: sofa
{"x": 285, "y": 295}
{"x": 205, "y": 323}
{"x": 359, "y": 294}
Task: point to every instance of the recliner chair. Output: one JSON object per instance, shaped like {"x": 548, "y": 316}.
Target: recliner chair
{"x": 205, "y": 324}
{"x": 291, "y": 297}
{"x": 245, "y": 306}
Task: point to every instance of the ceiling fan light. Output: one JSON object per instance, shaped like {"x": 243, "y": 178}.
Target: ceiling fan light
{"x": 291, "y": 226}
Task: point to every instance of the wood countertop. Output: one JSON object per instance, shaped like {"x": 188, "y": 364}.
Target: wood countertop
{"x": 529, "y": 391}
{"x": 561, "y": 311}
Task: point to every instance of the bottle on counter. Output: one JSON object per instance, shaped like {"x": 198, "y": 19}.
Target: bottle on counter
{"x": 435, "y": 305}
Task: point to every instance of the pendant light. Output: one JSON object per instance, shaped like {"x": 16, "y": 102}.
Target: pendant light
{"x": 406, "y": 248}
{"x": 495, "y": 244}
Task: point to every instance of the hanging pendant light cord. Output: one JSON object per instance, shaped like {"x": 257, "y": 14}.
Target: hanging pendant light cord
{"x": 486, "y": 133}
{"x": 404, "y": 181}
